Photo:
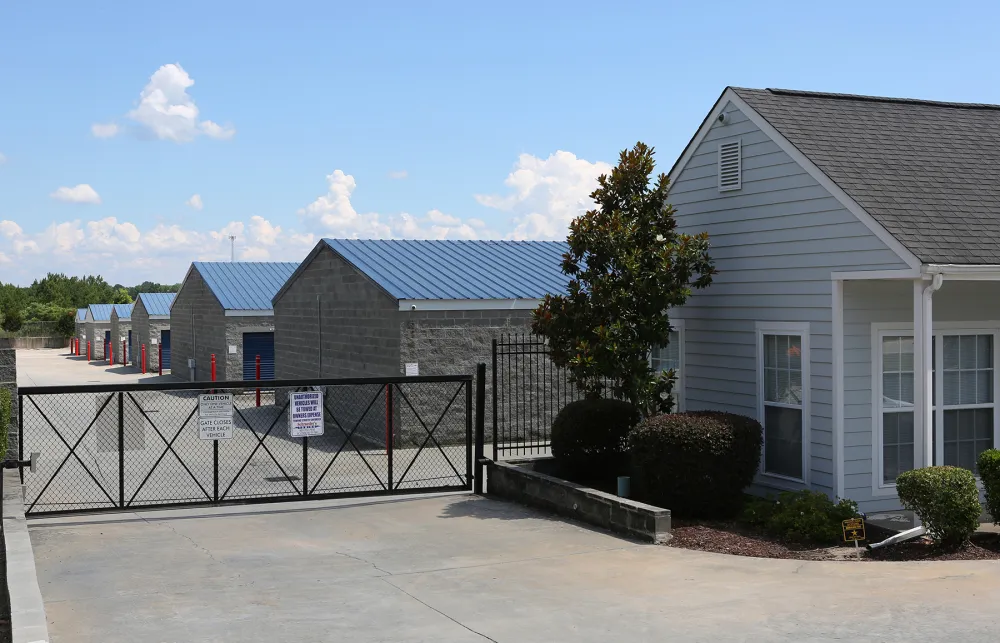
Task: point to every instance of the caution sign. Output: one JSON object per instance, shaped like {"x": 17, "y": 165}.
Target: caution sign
{"x": 305, "y": 414}
{"x": 215, "y": 416}
{"x": 854, "y": 530}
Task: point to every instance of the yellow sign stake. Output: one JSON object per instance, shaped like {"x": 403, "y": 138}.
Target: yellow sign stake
{"x": 854, "y": 530}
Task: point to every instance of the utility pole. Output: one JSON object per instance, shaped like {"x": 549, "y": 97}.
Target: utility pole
{"x": 232, "y": 248}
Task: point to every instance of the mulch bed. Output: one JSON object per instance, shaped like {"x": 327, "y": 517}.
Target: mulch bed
{"x": 984, "y": 546}
{"x": 738, "y": 540}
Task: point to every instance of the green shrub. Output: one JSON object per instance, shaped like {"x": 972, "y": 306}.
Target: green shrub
{"x": 695, "y": 464}
{"x": 945, "y": 499}
{"x": 589, "y": 437}
{"x": 989, "y": 472}
{"x": 809, "y": 517}
{"x": 5, "y": 410}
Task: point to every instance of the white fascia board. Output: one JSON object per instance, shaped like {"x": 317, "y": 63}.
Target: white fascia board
{"x": 250, "y": 313}
{"x": 957, "y": 272}
{"x": 876, "y": 228}
{"x": 468, "y": 304}
{"x": 861, "y": 275}
{"x": 159, "y": 317}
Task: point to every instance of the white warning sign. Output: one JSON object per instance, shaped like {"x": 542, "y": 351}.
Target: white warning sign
{"x": 215, "y": 416}
{"x": 305, "y": 414}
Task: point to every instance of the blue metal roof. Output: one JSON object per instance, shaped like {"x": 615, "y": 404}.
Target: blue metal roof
{"x": 245, "y": 285}
{"x": 81, "y": 314}
{"x": 454, "y": 269}
{"x": 102, "y": 312}
{"x": 156, "y": 303}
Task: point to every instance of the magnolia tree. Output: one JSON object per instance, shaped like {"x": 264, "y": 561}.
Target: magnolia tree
{"x": 627, "y": 266}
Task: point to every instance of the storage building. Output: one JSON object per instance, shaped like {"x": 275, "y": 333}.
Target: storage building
{"x": 98, "y": 324}
{"x": 224, "y": 309}
{"x": 121, "y": 333}
{"x": 151, "y": 324}
{"x": 366, "y": 308}
{"x": 81, "y": 328}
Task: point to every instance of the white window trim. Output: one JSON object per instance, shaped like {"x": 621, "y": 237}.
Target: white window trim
{"x": 881, "y": 329}
{"x": 680, "y": 382}
{"x": 802, "y": 330}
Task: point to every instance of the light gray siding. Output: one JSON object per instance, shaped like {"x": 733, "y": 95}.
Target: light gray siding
{"x": 890, "y": 302}
{"x": 775, "y": 242}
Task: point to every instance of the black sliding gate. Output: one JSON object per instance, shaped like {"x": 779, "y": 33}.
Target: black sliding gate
{"x": 133, "y": 446}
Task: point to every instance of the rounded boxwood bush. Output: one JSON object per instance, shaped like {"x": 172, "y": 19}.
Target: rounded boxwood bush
{"x": 695, "y": 464}
{"x": 988, "y": 464}
{"x": 945, "y": 499}
{"x": 589, "y": 437}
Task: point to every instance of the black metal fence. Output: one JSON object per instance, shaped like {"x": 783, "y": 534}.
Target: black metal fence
{"x": 528, "y": 391}
{"x": 139, "y": 445}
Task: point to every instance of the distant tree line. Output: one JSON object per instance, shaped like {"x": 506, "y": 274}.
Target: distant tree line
{"x": 56, "y": 297}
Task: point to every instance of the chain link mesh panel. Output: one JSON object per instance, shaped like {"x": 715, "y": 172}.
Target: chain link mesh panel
{"x": 139, "y": 446}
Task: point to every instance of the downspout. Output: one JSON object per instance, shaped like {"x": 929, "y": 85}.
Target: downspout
{"x": 928, "y": 384}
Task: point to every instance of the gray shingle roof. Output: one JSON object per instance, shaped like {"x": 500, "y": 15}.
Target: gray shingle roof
{"x": 928, "y": 172}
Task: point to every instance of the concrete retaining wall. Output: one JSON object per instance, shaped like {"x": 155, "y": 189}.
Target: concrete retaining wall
{"x": 516, "y": 480}
{"x": 27, "y": 611}
{"x": 41, "y": 342}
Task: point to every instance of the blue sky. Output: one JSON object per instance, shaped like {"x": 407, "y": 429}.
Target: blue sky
{"x": 452, "y": 119}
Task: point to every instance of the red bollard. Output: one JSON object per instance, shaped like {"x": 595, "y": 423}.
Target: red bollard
{"x": 258, "y": 377}
{"x": 142, "y": 357}
{"x": 88, "y": 351}
{"x": 159, "y": 359}
{"x": 124, "y": 352}
{"x": 213, "y": 367}
{"x": 109, "y": 353}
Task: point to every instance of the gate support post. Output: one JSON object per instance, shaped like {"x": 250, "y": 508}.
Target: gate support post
{"x": 305, "y": 466}
{"x": 215, "y": 470}
{"x": 480, "y": 425}
{"x": 121, "y": 450}
{"x": 390, "y": 433}
{"x": 468, "y": 435}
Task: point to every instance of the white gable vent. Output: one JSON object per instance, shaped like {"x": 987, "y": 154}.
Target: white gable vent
{"x": 730, "y": 167}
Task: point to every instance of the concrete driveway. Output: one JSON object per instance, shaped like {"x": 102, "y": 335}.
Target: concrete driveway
{"x": 464, "y": 568}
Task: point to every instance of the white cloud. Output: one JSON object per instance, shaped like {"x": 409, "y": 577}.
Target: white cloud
{"x": 3, "y": 159}
{"x": 214, "y": 130}
{"x": 544, "y": 195}
{"x": 104, "y": 130}
{"x": 195, "y": 202}
{"x": 81, "y": 193}
{"x": 167, "y": 112}
{"x": 401, "y": 174}
{"x": 334, "y": 215}
{"x": 547, "y": 194}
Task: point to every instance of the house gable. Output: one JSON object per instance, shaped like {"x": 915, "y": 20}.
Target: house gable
{"x": 777, "y": 241}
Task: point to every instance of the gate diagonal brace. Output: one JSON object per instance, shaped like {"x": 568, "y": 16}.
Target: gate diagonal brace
{"x": 170, "y": 448}
{"x": 430, "y": 433}
{"x": 260, "y": 443}
{"x": 350, "y": 441}
{"x": 72, "y": 452}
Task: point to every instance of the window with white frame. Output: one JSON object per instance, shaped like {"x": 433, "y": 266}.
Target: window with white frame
{"x": 965, "y": 406}
{"x": 896, "y": 417}
{"x": 665, "y": 358}
{"x": 783, "y": 377}
{"x": 963, "y": 399}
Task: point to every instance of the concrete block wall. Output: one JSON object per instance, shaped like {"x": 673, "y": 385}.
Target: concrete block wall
{"x": 360, "y": 327}
{"x": 144, "y": 330}
{"x": 119, "y": 332}
{"x": 95, "y": 335}
{"x": 230, "y": 365}
{"x": 198, "y": 329}
{"x": 453, "y": 343}
{"x": 8, "y": 380}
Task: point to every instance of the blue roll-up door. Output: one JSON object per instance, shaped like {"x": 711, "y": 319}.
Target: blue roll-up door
{"x": 107, "y": 342}
{"x": 165, "y": 348}
{"x": 255, "y": 344}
